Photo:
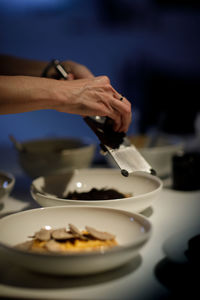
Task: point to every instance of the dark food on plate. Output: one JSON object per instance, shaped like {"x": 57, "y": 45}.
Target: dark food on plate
{"x": 66, "y": 240}
{"x": 97, "y": 194}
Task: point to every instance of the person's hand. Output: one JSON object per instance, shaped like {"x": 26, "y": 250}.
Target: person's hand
{"x": 76, "y": 70}
{"x": 94, "y": 97}
{"x": 120, "y": 113}
{"x": 86, "y": 97}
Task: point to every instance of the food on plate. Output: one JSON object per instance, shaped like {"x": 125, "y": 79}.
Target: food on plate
{"x": 66, "y": 240}
{"x": 97, "y": 194}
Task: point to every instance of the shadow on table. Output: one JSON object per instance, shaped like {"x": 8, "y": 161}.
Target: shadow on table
{"x": 15, "y": 276}
{"x": 147, "y": 212}
{"x": 181, "y": 279}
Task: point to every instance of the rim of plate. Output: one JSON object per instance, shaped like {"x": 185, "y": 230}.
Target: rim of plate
{"x": 156, "y": 179}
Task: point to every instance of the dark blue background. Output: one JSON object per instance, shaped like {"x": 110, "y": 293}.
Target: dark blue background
{"x": 149, "y": 49}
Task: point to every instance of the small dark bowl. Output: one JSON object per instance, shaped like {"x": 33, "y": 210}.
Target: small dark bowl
{"x": 185, "y": 171}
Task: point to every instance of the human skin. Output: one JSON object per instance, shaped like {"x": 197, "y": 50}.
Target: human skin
{"x": 22, "y": 90}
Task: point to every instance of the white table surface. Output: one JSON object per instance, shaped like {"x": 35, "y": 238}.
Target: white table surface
{"x": 171, "y": 212}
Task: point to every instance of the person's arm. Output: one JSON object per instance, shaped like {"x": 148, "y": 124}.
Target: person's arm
{"x": 10, "y": 65}
{"x": 86, "y": 97}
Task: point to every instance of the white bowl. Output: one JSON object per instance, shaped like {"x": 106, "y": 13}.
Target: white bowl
{"x": 132, "y": 232}
{"x": 51, "y": 156}
{"x": 145, "y": 188}
{"x": 7, "y": 182}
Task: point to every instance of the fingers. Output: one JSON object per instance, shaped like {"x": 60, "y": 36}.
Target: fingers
{"x": 78, "y": 70}
{"x": 119, "y": 111}
{"x": 125, "y": 113}
{"x": 96, "y": 96}
{"x": 119, "y": 108}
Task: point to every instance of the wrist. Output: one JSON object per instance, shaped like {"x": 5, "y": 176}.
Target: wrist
{"x": 41, "y": 92}
{"x": 54, "y": 69}
{"x": 53, "y": 94}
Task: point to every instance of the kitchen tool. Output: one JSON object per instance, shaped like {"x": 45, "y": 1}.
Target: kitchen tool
{"x": 118, "y": 146}
{"x": 114, "y": 143}
{"x": 159, "y": 156}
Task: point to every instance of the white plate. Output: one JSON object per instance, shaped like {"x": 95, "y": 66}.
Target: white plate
{"x": 145, "y": 188}
{"x": 132, "y": 232}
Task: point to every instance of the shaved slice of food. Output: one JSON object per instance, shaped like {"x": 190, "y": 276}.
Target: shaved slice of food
{"x": 43, "y": 235}
{"x": 76, "y": 232}
{"x": 104, "y": 236}
{"x": 61, "y": 234}
{"x": 69, "y": 239}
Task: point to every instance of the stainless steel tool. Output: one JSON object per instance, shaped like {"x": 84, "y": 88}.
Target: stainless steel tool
{"x": 116, "y": 144}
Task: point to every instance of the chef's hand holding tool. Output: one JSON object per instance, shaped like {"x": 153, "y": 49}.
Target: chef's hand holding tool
{"x": 113, "y": 143}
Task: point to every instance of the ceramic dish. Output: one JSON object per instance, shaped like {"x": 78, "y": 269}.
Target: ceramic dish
{"x": 42, "y": 157}
{"x": 145, "y": 188}
{"x": 131, "y": 230}
{"x": 7, "y": 182}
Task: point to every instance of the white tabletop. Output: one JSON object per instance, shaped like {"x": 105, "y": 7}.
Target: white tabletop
{"x": 172, "y": 212}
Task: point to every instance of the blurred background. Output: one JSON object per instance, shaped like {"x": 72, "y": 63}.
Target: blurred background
{"x": 148, "y": 48}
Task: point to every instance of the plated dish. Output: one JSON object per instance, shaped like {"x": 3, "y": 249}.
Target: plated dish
{"x": 139, "y": 189}
{"x": 68, "y": 239}
{"x": 131, "y": 231}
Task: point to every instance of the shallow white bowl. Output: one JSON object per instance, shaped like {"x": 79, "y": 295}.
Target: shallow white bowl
{"x": 132, "y": 232}
{"x": 42, "y": 157}
{"x": 145, "y": 188}
{"x": 7, "y": 182}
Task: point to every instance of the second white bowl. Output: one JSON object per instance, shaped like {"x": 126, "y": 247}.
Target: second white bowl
{"x": 145, "y": 188}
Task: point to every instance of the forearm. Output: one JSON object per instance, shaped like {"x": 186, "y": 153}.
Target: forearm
{"x": 85, "y": 97}
{"x": 23, "y": 93}
{"x": 10, "y": 65}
